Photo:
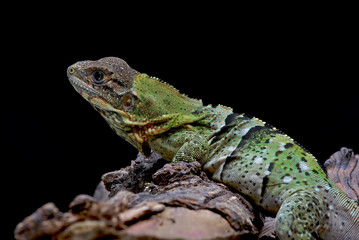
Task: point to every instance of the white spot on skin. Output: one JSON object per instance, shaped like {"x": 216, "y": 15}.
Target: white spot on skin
{"x": 231, "y": 149}
{"x": 303, "y": 166}
{"x": 267, "y": 173}
{"x": 255, "y": 178}
{"x": 134, "y": 91}
{"x": 258, "y": 160}
{"x": 287, "y": 179}
{"x": 244, "y": 131}
{"x": 281, "y": 146}
{"x": 317, "y": 189}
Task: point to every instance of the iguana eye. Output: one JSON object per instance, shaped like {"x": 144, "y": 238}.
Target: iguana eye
{"x": 98, "y": 77}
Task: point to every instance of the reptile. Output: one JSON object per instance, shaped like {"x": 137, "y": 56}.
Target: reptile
{"x": 243, "y": 152}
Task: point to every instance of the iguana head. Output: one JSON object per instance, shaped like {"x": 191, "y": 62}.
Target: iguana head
{"x": 135, "y": 105}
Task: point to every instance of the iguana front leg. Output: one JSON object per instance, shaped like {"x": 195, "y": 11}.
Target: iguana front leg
{"x": 184, "y": 146}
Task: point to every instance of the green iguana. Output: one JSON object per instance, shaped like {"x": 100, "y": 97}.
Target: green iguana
{"x": 241, "y": 151}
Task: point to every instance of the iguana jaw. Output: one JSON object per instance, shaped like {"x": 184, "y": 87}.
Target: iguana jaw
{"x": 89, "y": 93}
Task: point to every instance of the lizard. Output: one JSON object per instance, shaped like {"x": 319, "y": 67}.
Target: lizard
{"x": 243, "y": 152}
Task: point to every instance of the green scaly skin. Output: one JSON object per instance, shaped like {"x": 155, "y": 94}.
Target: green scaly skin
{"x": 243, "y": 152}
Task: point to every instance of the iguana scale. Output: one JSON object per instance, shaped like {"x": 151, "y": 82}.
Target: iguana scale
{"x": 241, "y": 151}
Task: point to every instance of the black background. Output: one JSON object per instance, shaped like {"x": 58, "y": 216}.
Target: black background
{"x": 294, "y": 70}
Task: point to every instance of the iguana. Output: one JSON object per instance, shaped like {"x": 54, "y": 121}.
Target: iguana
{"x": 243, "y": 152}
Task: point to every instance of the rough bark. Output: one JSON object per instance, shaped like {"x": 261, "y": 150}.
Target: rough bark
{"x": 343, "y": 168}
{"x": 153, "y": 200}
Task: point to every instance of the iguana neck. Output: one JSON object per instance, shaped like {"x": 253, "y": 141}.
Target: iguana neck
{"x": 159, "y": 107}
{"x": 156, "y": 99}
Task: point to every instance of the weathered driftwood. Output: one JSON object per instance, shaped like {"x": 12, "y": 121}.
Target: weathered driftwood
{"x": 343, "y": 168}
{"x": 152, "y": 199}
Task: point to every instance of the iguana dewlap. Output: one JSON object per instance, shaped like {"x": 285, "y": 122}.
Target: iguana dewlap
{"x": 251, "y": 156}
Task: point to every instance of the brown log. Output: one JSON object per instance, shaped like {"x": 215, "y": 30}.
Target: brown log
{"x": 149, "y": 200}
{"x": 343, "y": 168}
{"x": 159, "y": 200}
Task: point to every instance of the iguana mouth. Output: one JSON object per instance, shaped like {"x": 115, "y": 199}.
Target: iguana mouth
{"x": 89, "y": 93}
{"x": 81, "y": 87}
